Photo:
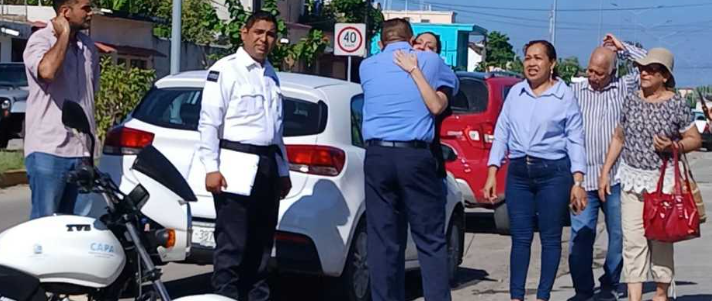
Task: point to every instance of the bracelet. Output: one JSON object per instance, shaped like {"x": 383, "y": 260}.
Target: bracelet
{"x": 412, "y": 69}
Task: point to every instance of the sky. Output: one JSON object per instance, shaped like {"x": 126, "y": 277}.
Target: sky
{"x": 682, "y": 26}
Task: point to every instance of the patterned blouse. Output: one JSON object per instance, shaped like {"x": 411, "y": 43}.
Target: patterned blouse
{"x": 641, "y": 120}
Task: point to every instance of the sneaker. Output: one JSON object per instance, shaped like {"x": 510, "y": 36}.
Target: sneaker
{"x": 580, "y": 298}
{"x": 607, "y": 295}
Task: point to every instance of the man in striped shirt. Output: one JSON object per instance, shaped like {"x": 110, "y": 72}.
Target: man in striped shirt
{"x": 601, "y": 100}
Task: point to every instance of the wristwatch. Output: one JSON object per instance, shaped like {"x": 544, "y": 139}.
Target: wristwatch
{"x": 578, "y": 183}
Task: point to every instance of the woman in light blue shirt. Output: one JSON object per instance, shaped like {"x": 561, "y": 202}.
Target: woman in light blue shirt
{"x": 541, "y": 130}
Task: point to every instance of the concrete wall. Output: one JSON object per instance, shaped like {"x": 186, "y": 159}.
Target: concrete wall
{"x": 473, "y": 58}
{"x": 290, "y": 10}
{"x": 119, "y": 31}
{"x": 33, "y": 13}
{"x": 194, "y": 57}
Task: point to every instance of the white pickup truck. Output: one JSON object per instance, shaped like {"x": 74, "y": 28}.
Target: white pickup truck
{"x": 13, "y": 97}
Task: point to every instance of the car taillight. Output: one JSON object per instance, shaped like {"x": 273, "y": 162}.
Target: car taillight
{"x": 316, "y": 159}
{"x": 707, "y": 128}
{"x": 483, "y": 134}
{"x": 126, "y": 141}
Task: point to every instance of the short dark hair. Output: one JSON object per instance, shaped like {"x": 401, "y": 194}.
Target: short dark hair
{"x": 438, "y": 44}
{"x": 58, "y": 3}
{"x": 260, "y": 16}
{"x": 396, "y": 30}
{"x": 550, "y": 52}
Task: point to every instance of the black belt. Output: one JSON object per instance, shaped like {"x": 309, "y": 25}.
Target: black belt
{"x": 399, "y": 144}
{"x": 260, "y": 150}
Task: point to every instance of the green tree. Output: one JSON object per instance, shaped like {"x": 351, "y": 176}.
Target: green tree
{"x": 517, "y": 66}
{"x": 199, "y": 21}
{"x": 34, "y": 2}
{"x": 120, "y": 90}
{"x": 307, "y": 49}
{"x": 354, "y": 11}
{"x": 499, "y": 52}
{"x": 568, "y": 68}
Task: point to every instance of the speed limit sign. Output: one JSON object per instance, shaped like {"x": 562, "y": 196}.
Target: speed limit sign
{"x": 350, "y": 39}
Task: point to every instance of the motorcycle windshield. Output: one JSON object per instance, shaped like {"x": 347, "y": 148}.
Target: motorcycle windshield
{"x": 154, "y": 164}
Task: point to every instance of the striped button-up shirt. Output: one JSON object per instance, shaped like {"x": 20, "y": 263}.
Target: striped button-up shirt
{"x": 601, "y": 112}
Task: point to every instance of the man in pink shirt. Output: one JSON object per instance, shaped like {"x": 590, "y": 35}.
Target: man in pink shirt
{"x": 62, "y": 64}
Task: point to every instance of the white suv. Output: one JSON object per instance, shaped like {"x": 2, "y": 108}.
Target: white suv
{"x": 321, "y": 227}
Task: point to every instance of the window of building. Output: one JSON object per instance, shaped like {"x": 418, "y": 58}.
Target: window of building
{"x": 425, "y": 21}
{"x": 132, "y": 62}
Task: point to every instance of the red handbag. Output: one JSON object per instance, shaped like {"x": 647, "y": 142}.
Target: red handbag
{"x": 671, "y": 217}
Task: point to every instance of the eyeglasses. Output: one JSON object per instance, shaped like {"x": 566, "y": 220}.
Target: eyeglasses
{"x": 652, "y": 68}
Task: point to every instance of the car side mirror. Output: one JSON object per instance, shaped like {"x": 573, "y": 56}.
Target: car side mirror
{"x": 449, "y": 154}
{"x": 73, "y": 117}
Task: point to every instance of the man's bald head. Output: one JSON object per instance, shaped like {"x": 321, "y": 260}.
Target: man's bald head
{"x": 600, "y": 67}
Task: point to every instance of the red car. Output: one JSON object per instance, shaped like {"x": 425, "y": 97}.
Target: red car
{"x": 469, "y": 132}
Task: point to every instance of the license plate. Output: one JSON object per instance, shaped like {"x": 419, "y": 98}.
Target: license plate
{"x": 203, "y": 234}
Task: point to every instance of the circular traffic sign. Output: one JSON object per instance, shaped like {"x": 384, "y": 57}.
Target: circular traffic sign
{"x": 349, "y": 39}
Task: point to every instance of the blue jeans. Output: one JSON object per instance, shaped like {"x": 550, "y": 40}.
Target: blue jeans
{"x": 583, "y": 236}
{"x": 47, "y": 176}
{"x": 538, "y": 193}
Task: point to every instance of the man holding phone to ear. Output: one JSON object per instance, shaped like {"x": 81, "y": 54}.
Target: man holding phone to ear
{"x": 601, "y": 100}
{"x": 62, "y": 64}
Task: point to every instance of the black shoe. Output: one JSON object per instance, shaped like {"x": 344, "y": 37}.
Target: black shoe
{"x": 607, "y": 295}
{"x": 580, "y": 298}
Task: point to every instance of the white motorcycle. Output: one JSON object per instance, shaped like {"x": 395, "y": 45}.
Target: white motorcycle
{"x": 103, "y": 258}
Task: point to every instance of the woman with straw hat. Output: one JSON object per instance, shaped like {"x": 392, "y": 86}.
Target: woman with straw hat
{"x": 652, "y": 120}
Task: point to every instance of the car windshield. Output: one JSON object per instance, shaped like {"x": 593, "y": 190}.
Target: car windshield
{"x": 12, "y": 75}
{"x": 699, "y": 116}
{"x": 180, "y": 109}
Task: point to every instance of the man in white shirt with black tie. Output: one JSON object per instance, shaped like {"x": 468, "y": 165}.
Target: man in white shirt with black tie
{"x": 242, "y": 114}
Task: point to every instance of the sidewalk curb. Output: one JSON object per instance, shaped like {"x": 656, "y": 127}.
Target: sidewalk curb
{"x": 12, "y": 178}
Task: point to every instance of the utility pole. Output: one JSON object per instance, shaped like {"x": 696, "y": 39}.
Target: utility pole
{"x": 176, "y": 37}
{"x": 600, "y": 18}
{"x": 366, "y": 37}
{"x": 552, "y": 29}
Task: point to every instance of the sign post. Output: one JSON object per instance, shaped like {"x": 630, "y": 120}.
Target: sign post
{"x": 350, "y": 41}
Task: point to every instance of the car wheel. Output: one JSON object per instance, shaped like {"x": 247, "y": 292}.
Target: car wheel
{"x": 355, "y": 280}
{"x": 455, "y": 244}
{"x": 501, "y": 218}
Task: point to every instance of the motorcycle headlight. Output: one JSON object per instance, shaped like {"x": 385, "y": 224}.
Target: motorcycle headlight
{"x": 5, "y": 104}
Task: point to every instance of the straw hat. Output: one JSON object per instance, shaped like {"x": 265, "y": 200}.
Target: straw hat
{"x": 663, "y": 57}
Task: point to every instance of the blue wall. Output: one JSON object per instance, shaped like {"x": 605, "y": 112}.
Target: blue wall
{"x": 454, "y": 39}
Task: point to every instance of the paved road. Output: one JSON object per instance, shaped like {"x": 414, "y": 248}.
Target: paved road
{"x": 484, "y": 271}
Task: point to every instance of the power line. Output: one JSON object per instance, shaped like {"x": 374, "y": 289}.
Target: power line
{"x": 573, "y": 9}
{"x": 572, "y": 25}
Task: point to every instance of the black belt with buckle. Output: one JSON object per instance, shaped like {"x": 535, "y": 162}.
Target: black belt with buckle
{"x": 400, "y": 144}
{"x": 260, "y": 150}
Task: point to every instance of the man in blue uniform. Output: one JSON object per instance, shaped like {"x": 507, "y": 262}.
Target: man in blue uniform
{"x": 402, "y": 185}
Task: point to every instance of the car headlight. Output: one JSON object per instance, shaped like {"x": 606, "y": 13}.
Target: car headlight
{"x": 5, "y": 104}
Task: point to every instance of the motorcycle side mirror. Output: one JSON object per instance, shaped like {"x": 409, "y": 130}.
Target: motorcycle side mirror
{"x": 73, "y": 117}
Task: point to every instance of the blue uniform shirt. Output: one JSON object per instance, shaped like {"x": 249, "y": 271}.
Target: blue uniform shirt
{"x": 548, "y": 126}
{"x": 393, "y": 108}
